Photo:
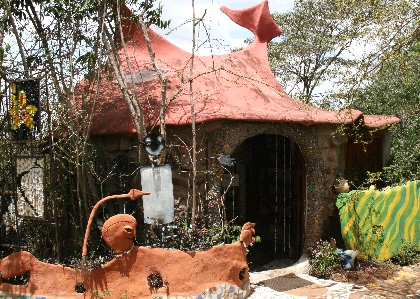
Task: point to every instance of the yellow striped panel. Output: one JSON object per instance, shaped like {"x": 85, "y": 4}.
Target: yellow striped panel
{"x": 376, "y": 222}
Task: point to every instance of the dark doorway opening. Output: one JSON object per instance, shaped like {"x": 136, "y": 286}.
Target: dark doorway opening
{"x": 268, "y": 188}
{"x": 368, "y": 150}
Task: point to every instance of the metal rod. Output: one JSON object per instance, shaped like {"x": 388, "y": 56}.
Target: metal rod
{"x": 276, "y": 198}
{"x": 284, "y": 195}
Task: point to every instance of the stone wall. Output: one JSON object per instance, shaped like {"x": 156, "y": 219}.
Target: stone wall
{"x": 321, "y": 149}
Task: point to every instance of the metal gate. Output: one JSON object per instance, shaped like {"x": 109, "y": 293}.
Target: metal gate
{"x": 269, "y": 189}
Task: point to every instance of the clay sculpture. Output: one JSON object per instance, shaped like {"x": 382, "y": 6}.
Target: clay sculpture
{"x": 135, "y": 272}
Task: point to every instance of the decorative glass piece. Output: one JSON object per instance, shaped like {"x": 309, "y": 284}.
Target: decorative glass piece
{"x": 30, "y": 186}
{"x": 158, "y": 206}
{"x": 24, "y": 108}
{"x": 347, "y": 257}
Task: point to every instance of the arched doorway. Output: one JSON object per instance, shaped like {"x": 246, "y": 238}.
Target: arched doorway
{"x": 269, "y": 188}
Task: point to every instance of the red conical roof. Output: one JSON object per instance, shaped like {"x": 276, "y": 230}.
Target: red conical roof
{"x": 236, "y": 86}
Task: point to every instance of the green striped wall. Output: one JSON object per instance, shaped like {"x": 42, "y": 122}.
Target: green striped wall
{"x": 376, "y": 222}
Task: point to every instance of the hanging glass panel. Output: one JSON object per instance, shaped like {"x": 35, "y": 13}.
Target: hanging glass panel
{"x": 30, "y": 186}
{"x": 159, "y": 205}
{"x": 24, "y": 109}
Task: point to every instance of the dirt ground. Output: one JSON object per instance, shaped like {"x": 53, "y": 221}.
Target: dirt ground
{"x": 372, "y": 283}
{"x": 384, "y": 282}
{"x": 405, "y": 283}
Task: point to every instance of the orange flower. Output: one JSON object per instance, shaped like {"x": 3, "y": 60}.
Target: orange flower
{"x": 22, "y": 99}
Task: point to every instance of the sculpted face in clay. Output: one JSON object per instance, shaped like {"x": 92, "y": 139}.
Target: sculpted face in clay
{"x": 119, "y": 232}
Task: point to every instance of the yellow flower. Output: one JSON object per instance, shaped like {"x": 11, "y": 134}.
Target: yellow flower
{"x": 16, "y": 123}
{"x": 19, "y": 112}
{"x": 14, "y": 102}
{"x": 13, "y": 112}
{"x": 31, "y": 110}
{"x": 28, "y": 121}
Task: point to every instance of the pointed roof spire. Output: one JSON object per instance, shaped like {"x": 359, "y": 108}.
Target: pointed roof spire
{"x": 257, "y": 19}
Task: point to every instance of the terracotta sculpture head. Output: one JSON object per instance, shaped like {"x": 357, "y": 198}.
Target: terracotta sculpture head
{"x": 119, "y": 232}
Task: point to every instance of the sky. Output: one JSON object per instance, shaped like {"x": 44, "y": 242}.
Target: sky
{"x": 224, "y": 33}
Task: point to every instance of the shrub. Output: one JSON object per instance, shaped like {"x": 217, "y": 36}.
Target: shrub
{"x": 182, "y": 235}
{"x": 408, "y": 254}
{"x": 323, "y": 260}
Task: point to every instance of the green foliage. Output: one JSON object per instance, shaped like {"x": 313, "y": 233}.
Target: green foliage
{"x": 323, "y": 260}
{"x": 408, "y": 254}
{"x": 394, "y": 90}
{"x": 153, "y": 15}
{"x": 182, "y": 235}
{"x": 337, "y": 45}
{"x": 38, "y": 237}
{"x": 367, "y": 242}
{"x": 311, "y": 50}
{"x": 96, "y": 294}
{"x": 374, "y": 179}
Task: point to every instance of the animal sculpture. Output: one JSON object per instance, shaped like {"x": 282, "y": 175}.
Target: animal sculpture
{"x": 130, "y": 273}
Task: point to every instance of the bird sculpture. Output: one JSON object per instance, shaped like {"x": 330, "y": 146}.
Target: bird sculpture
{"x": 347, "y": 258}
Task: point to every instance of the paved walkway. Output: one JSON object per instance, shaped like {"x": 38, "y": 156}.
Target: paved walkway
{"x": 406, "y": 284}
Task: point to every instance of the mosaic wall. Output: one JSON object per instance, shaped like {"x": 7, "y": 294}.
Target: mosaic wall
{"x": 221, "y": 291}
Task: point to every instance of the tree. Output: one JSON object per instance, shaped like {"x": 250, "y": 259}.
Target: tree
{"x": 314, "y": 47}
{"x": 335, "y": 46}
{"x": 51, "y": 45}
{"x": 395, "y": 90}
{"x": 147, "y": 16}
{"x": 61, "y": 43}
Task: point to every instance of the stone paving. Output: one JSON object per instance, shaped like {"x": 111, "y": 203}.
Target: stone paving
{"x": 320, "y": 289}
{"x": 405, "y": 285}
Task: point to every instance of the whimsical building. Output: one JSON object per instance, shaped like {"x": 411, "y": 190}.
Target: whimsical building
{"x": 284, "y": 155}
